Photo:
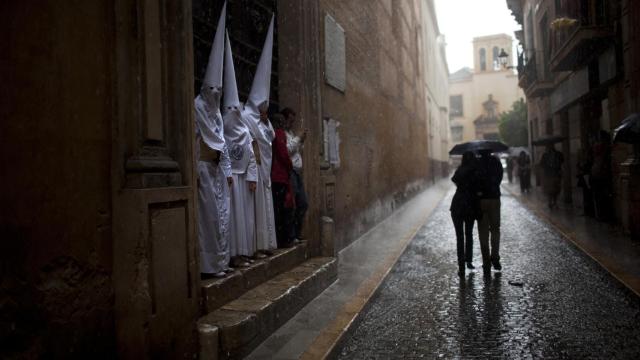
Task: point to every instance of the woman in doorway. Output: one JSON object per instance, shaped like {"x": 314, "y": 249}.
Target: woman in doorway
{"x": 465, "y": 209}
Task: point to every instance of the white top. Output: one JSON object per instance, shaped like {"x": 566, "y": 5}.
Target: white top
{"x": 294, "y": 146}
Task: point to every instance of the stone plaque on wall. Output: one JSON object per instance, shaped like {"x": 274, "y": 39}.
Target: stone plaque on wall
{"x": 334, "y": 54}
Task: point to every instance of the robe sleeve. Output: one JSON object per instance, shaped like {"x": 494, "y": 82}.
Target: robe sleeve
{"x": 252, "y": 169}
{"x": 225, "y": 161}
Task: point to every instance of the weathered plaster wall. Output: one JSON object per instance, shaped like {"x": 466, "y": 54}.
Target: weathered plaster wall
{"x": 436, "y": 83}
{"x": 55, "y": 132}
{"x": 384, "y": 153}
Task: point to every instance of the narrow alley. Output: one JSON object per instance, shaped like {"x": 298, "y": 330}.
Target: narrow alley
{"x": 275, "y": 179}
{"x": 550, "y": 300}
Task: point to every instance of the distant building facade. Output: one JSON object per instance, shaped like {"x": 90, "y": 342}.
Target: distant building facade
{"x": 436, "y": 86}
{"x": 478, "y": 96}
{"x": 581, "y": 76}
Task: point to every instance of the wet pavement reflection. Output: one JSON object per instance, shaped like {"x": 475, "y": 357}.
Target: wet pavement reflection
{"x": 550, "y": 301}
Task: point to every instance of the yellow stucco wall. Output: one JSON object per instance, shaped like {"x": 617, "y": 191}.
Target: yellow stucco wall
{"x": 501, "y": 84}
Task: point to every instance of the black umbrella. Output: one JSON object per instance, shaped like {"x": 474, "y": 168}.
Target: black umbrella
{"x": 548, "y": 140}
{"x": 477, "y": 145}
{"x": 629, "y": 131}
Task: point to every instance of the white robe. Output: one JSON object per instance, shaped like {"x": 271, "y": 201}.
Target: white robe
{"x": 213, "y": 191}
{"x": 244, "y": 170}
{"x": 265, "y": 219}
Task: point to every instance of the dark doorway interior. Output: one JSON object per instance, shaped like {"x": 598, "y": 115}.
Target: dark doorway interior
{"x": 247, "y": 24}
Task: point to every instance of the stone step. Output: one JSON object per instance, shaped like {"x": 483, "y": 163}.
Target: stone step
{"x": 238, "y": 327}
{"x": 217, "y": 292}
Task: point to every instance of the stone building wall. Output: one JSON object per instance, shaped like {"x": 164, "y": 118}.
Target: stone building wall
{"x": 55, "y": 150}
{"x": 383, "y": 130}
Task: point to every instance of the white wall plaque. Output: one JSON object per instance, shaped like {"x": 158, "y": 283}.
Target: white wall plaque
{"x": 331, "y": 139}
{"x": 334, "y": 54}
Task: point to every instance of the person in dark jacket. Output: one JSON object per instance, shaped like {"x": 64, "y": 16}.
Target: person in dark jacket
{"x": 465, "y": 209}
{"x": 491, "y": 172}
{"x": 524, "y": 172}
{"x": 551, "y": 164}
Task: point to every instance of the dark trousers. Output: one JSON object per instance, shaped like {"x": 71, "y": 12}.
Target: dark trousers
{"x": 489, "y": 224}
{"x": 464, "y": 239}
{"x": 283, "y": 216}
{"x": 525, "y": 180}
{"x": 301, "y": 203}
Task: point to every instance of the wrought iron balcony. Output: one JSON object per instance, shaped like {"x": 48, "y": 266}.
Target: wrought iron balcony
{"x": 535, "y": 80}
{"x": 581, "y": 31}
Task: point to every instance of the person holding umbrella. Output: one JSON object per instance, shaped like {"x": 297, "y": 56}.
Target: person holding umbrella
{"x": 491, "y": 177}
{"x": 465, "y": 209}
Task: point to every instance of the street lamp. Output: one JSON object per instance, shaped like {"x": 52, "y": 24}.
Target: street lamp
{"x": 504, "y": 58}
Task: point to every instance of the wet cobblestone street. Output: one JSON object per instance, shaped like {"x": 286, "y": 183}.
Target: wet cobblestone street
{"x": 568, "y": 307}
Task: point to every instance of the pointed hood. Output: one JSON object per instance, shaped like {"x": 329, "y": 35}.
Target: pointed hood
{"x": 213, "y": 75}
{"x": 230, "y": 87}
{"x": 262, "y": 79}
{"x": 235, "y": 131}
{"x": 207, "y": 103}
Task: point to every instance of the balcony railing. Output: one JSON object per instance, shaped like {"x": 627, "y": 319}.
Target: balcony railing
{"x": 579, "y": 31}
{"x": 533, "y": 79}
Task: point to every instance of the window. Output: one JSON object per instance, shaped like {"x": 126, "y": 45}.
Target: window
{"x": 456, "y": 133}
{"x": 483, "y": 59}
{"x": 496, "y": 59}
{"x": 455, "y": 105}
{"x": 546, "y": 50}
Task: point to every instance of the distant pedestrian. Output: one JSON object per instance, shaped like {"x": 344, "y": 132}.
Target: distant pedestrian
{"x": 465, "y": 209}
{"x": 510, "y": 163}
{"x": 585, "y": 163}
{"x": 492, "y": 173}
{"x": 551, "y": 164}
{"x": 524, "y": 172}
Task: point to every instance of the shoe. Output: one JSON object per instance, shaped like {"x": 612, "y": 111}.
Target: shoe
{"x": 267, "y": 252}
{"x": 247, "y": 259}
{"x": 239, "y": 262}
{"x": 470, "y": 265}
{"x": 260, "y": 255}
{"x": 229, "y": 270}
{"x": 497, "y": 265}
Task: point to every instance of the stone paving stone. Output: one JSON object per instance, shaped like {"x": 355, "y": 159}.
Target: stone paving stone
{"x": 568, "y": 307}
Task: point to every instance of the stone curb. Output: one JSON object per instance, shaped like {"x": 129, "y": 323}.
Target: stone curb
{"x": 328, "y": 341}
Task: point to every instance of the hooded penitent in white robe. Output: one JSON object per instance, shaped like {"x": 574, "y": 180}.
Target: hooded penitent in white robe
{"x": 213, "y": 191}
{"x": 264, "y": 134}
{"x": 243, "y": 165}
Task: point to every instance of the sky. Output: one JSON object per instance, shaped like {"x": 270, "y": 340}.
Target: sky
{"x": 462, "y": 20}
